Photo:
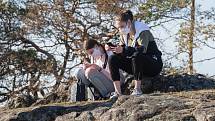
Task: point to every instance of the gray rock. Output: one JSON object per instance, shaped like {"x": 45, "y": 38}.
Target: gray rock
{"x": 21, "y": 101}
{"x": 205, "y": 112}
{"x": 176, "y": 98}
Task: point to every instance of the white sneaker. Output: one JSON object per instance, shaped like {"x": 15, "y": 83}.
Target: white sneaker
{"x": 114, "y": 95}
{"x": 137, "y": 92}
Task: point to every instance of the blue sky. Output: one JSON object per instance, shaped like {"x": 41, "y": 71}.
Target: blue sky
{"x": 207, "y": 67}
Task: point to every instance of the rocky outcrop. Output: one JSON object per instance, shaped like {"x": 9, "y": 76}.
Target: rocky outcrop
{"x": 161, "y": 83}
{"x": 167, "y": 98}
{"x": 174, "y": 83}
{"x": 21, "y": 100}
{"x": 174, "y": 106}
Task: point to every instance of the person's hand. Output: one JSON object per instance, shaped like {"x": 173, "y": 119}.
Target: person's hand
{"x": 107, "y": 47}
{"x": 118, "y": 49}
{"x": 94, "y": 66}
{"x": 86, "y": 65}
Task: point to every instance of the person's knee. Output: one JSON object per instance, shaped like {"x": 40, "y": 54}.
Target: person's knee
{"x": 80, "y": 73}
{"x": 113, "y": 59}
{"x": 89, "y": 71}
{"x": 136, "y": 57}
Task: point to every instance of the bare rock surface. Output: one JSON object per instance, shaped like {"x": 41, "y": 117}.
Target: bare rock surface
{"x": 174, "y": 98}
{"x": 175, "y": 106}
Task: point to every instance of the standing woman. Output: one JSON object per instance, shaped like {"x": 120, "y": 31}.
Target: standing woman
{"x": 137, "y": 54}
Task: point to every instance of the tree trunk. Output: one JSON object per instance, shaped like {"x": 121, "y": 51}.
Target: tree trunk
{"x": 191, "y": 37}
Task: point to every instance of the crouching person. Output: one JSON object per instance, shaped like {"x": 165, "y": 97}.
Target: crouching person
{"x": 137, "y": 55}
{"x": 97, "y": 72}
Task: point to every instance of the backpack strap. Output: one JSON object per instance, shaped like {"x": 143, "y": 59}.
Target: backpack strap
{"x": 106, "y": 57}
{"x": 106, "y": 60}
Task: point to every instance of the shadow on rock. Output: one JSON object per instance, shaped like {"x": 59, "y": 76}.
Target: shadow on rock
{"x": 50, "y": 113}
{"x": 184, "y": 82}
{"x": 174, "y": 83}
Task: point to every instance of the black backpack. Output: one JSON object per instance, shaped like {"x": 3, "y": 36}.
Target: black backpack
{"x": 78, "y": 92}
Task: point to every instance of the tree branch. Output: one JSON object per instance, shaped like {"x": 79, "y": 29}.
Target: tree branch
{"x": 207, "y": 59}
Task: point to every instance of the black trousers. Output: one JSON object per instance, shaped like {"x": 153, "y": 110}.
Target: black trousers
{"x": 140, "y": 65}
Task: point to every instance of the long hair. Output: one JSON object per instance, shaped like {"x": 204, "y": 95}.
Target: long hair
{"x": 89, "y": 44}
{"x": 125, "y": 16}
